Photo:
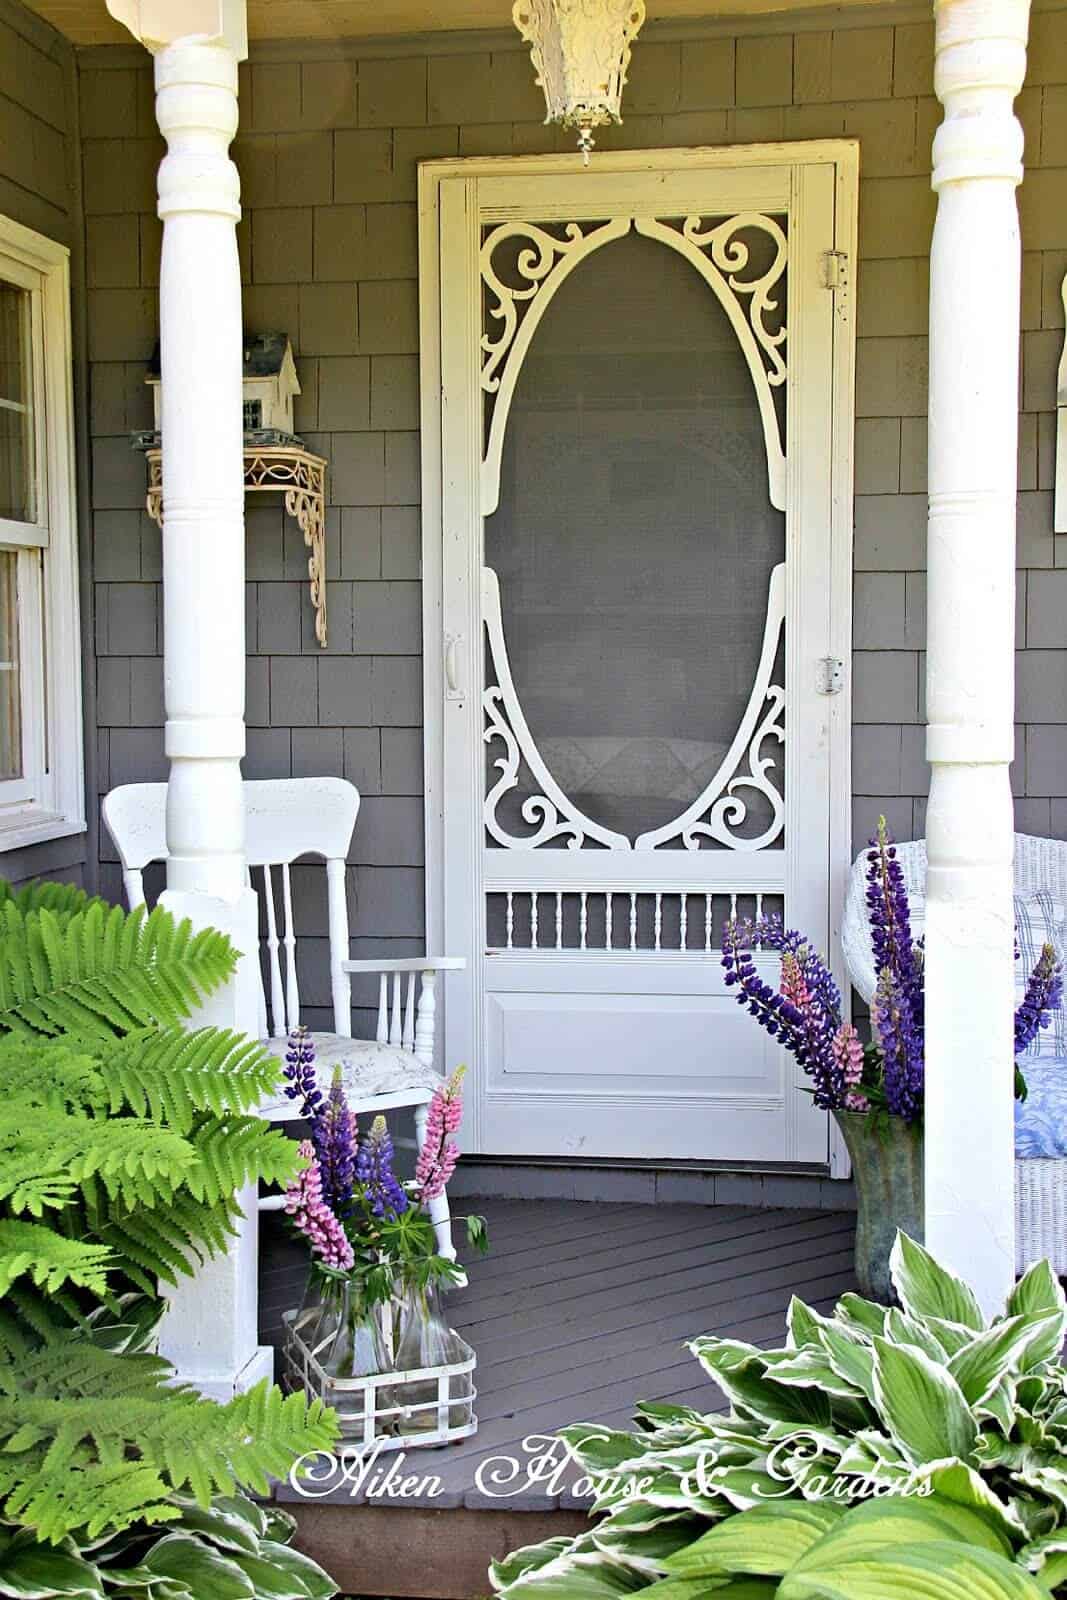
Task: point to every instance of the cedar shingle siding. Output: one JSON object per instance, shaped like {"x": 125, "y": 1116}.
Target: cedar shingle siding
{"x": 328, "y": 151}
{"x": 37, "y": 188}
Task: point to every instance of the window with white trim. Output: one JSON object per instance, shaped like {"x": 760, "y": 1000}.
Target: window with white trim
{"x": 41, "y": 766}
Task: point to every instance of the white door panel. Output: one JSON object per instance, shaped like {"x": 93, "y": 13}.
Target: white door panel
{"x": 636, "y": 537}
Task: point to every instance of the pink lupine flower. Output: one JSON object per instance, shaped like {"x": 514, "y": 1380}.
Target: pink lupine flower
{"x": 313, "y": 1217}
{"x": 439, "y": 1153}
{"x": 848, "y": 1054}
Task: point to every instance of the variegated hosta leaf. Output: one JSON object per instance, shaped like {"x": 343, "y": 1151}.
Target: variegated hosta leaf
{"x": 765, "y": 1542}
{"x": 926, "y": 1289}
{"x": 953, "y": 1481}
{"x": 600, "y": 1449}
{"x": 898, "y": 1521}
{"x": 935, "y": 1571}
{"x": 1040, "y": 1290}
{"x": 813, "y": 1369}
{"x": 900, "y": 1328}
{"x": 851, "y": 1356}
{"x": 647, "y": 1550}
{"x": 744, "y": 1487}
{"x": 1046, "y": 1558}
{"x": 1049, "y": 1482}
{"x": 921, "y": 1404}
{"x": 1004, "y": 1348}
{"x": 742, "y": 1373}
{"x": 803, "y": 1325}
{"x": 564, "y": 1569}
{"x": 863, "y": 1316}
{"x": 527, "y": 1559}
{"x": 29, "y": 1570}
{"x": 701, "y": 1588}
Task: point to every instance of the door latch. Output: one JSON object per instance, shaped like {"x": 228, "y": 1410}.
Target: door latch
{"x": 830, "y": 675}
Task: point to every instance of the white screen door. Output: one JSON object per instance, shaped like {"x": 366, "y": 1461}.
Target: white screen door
{"x": 637, "y": 399}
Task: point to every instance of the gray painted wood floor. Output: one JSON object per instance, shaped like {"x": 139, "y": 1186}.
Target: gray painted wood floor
{"x": 581, "y": 1309}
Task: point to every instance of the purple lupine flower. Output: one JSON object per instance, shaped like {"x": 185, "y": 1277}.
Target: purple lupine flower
{"x": 893, "y": 1026}
{"x": 771, "y": 934}
{"x": 802, "y": 1015}
{"x": 889, "y": 915}
{"x": 333, "y": 1134}
{"x": 1044, "y": 995}
{"x": 374, "y": 1170}
{"x": 898, "y": 1010}
{"x": 299, "y": 1069}
{"x": 310, "y": 1213}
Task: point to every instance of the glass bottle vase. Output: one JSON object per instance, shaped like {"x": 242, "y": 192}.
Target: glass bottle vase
{"x": 424, "y": 1340}
{"x": 349, "y": 1337}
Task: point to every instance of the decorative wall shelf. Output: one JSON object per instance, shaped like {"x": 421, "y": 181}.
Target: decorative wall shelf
{"x": 278, "y": 463}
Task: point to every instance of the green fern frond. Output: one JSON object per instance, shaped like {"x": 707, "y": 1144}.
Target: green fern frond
{"x": 62, "y": 898}
{"x": 53, "y": 1074}
{"x": 91, "y": 1416}
{"x": 232, "y": 1150}
{"x": 165, "y": 1245}
{"x": 45, "y": 1160}
{"x": 50, "y": 1261}
{"x": 172, "y": 1075}
{"x": 57, "y": 1497}
{"x": 101, "y": 971}
{"x": 37, "y": 1312}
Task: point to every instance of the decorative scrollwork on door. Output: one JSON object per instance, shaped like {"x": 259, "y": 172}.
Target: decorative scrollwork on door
{"x": 515, "y": 303}
{"x": 750, "y": 294}
{"x": 722, "y": 251}
{"x": 718, "y": 814}
{"x": 549, "y": 813}
{"x": 732, "y": 253}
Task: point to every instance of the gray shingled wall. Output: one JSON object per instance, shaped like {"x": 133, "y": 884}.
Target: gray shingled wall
{"x": 36, "y": 165}
{"x": 328, "y": 151}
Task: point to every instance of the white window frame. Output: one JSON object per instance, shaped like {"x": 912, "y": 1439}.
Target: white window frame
{"x": 48, "y": 802}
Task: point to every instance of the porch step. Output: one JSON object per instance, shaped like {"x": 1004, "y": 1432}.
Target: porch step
{"x": 580, "y": 1309}
{"x": 638, "y": 1183}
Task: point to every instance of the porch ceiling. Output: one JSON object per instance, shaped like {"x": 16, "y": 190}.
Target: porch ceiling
{"x": 87, "y": 22}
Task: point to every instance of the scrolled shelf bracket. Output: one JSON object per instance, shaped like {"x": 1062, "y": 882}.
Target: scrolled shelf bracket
{"x": 287, "y": 469}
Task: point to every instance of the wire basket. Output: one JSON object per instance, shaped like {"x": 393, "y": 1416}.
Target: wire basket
{"x": 390, "y": 1410}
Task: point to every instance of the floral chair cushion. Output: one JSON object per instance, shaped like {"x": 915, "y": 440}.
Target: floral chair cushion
{"x": 368, "y": 1069}
{"x": 1041, "y": 1119}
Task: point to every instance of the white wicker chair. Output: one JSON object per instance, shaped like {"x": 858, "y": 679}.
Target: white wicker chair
{"x": 1041, "y": 1184}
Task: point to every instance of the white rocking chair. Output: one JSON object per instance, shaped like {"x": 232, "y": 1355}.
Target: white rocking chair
{"x": 1040, "y": 1183}
{"x": 288, "y": 819}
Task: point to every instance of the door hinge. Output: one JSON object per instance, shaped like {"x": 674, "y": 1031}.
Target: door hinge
{"x": 835, "y": 269}
{"x": 830, "y": 675}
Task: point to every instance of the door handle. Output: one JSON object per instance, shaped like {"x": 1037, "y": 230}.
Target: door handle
{"x": 453, "y": 687}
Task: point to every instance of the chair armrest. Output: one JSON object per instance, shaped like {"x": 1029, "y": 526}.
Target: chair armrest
{"x": 408, "y": 964}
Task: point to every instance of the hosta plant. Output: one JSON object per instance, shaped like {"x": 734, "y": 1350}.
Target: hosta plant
{"x": 882, "y": 1454}
{"x": 234, "y": 1550}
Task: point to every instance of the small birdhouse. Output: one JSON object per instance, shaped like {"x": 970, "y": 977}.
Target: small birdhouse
{"x": 269, "y": 384}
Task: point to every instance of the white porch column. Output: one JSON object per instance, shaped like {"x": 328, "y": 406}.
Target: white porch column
{"x": 210, "y": 1331}
{"x": 974, "y": 365}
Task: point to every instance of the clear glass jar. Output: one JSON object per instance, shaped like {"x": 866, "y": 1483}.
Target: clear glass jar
{"x": 424, "y": 1339}
{"x": 349, "y": 1337}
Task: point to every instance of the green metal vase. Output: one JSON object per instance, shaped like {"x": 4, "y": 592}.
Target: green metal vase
{"x": 887, "y": 1168}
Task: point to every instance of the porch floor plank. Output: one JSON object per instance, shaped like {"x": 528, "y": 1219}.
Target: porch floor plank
{"x": 581, "y": 1310}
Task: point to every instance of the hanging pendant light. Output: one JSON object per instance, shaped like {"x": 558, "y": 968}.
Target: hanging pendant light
{"x": 580, "y": 51}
